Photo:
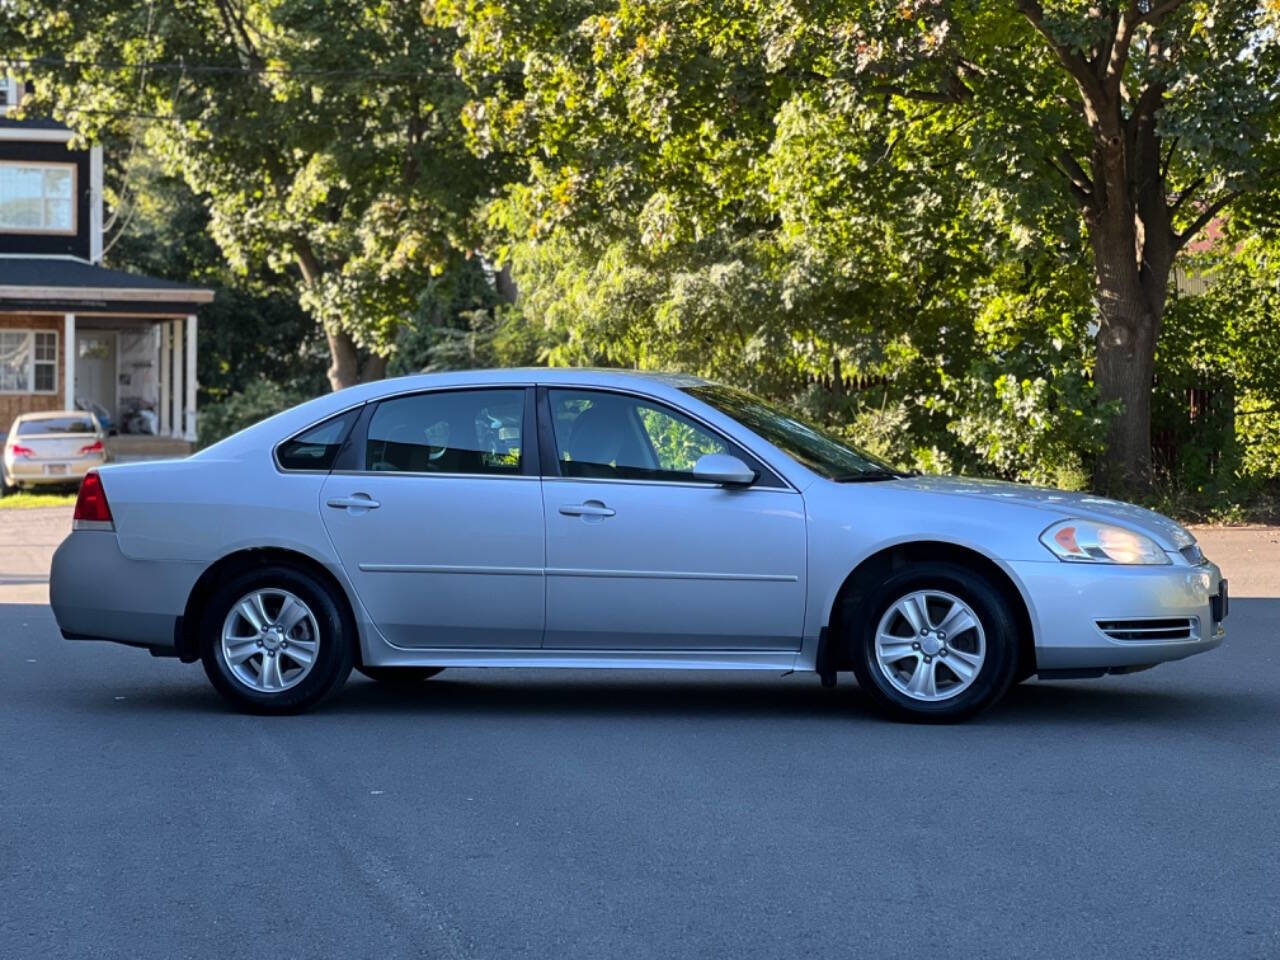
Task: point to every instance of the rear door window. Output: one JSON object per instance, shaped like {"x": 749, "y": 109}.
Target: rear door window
{"x": 448, "y": 431}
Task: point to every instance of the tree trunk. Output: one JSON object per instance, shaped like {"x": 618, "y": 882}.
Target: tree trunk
{"x": 374, "y": 368}
{"x": 1129, "y": 325}
{"x": 344, "y": 359}
{"x": 1123, "y": 374}
{"x": 345, "y": 369}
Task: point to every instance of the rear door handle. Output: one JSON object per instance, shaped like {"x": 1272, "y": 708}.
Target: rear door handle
{"x": 592, "y": 508}
{"x": 358, "y": 501}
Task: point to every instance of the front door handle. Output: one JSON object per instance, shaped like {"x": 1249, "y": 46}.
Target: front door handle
{"x": 592, "y": 508}
{"x": 357, "y": 501}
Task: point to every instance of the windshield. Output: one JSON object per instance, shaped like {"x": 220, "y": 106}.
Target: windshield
{"x": 46, "y": 425}
{"x": 812, "y": 446}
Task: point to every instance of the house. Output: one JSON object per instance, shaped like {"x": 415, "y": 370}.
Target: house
{"x": 73, "y": 332}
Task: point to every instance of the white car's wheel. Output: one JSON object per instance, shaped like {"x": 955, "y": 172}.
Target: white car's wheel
{"x": 275, "y": 640}
{"x": 935, "y": 643}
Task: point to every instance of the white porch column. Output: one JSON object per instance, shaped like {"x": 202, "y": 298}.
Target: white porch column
{"x": 69, "y": 361}
{"x": 163, "y": 373}
{"x": 175, "y": 427}
{"x": 189, "y": 412}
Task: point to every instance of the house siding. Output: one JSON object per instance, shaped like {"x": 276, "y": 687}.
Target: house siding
{"x": 12, "y": 404}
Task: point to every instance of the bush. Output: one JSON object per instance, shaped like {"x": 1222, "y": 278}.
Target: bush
{"x": 259, "y": 400}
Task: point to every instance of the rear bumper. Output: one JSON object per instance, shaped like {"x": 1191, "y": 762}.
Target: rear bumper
{"x": 1069, "y": 601}
{"x": 30, "y": 473}
{"x": 97, "y": 593}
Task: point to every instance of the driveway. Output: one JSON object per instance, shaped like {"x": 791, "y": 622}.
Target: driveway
{"x": 582, "y": 814}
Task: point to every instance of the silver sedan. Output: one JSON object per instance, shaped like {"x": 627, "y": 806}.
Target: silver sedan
{"x": 574, "y": 518}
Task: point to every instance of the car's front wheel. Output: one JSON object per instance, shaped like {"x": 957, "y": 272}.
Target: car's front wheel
{"x": 935, "y": 643}
{"x": 276, "y": 640}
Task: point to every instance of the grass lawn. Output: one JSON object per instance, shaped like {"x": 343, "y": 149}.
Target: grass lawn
{"x": 22, "y": 501}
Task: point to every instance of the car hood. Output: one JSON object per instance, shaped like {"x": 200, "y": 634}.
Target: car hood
{"x": 1061, "y": 503}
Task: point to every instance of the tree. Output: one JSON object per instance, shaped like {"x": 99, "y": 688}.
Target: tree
{"x": 254, "y": 331}
{"x": 1107, "y": 132}
{"x": 323, "y": 134}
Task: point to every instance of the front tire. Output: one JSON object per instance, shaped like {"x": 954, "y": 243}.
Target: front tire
{"x": 934, "y": 643}
{"x": 275, "y": 640}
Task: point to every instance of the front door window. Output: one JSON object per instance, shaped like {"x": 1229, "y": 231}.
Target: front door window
{"x": 614, "y": 436}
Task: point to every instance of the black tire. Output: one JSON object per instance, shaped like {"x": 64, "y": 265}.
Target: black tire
{"x": 335, "y": 644}
{"x": 999, "y": 626}
{"x": 6, "y": 487}
{"x": 399, "y": 676}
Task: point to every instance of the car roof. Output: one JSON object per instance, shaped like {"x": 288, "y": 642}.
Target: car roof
{"x": 596, "y": 376}
{"x": 654, "y": 382}
{"x": 51, "y": 415}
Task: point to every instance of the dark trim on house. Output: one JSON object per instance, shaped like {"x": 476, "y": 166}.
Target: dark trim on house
{"x": 51, "y": 244}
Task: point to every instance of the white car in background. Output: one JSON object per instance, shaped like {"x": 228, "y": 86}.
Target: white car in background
{"x": 52, "y": 448}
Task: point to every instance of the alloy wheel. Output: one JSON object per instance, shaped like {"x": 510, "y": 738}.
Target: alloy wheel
{"x": 270, "y": 640}
{"x": 930, "y": 645}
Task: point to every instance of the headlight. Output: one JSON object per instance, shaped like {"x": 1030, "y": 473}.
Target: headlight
{"x": 1089, "y": 542}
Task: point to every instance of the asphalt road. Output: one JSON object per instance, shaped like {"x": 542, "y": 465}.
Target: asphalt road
{"x": 499, "y": 814}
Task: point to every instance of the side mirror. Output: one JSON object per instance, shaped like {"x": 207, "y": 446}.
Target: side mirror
{"x": 723, "y": 469}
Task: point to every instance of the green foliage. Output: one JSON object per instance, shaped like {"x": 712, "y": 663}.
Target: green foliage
{"x": 463, "y": 321}
{"x": 1224, "y": 344}
{"x": 256, "y": 401}
{"x": 677, "y": 443}
{"x": 324, "y": 135}
{"x": 771, "y": 192}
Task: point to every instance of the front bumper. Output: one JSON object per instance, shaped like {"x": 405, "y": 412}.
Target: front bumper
{"x": 1069, "y": 601}
{"x": 97, "y": 593}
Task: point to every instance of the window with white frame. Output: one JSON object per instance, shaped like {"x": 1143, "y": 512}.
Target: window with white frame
{"x": 37, "y": 197}
{"x": 28, "y": 361}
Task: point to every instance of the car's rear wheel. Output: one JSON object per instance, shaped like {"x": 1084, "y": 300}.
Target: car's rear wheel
{"x": 276, "y": 640}
{"x": 399, "y": 676}
{"x": 934, "y": 643}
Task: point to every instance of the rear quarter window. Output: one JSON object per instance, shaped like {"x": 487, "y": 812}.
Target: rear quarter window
{"x": 316, "y": 448}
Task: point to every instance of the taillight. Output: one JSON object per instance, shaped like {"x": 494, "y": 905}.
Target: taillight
{"x": 95, "y": 447}
{"x": 92, "y": 511}
{"x": 18, "y": 450}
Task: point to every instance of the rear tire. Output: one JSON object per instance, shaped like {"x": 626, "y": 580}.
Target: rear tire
{"x": 934, "y": 643}
{"x": 403, "y": 677}
{"x": 275, "y": 640}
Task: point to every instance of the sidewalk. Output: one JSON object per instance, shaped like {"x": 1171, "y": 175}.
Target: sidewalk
{"x": 27, "y": 541}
